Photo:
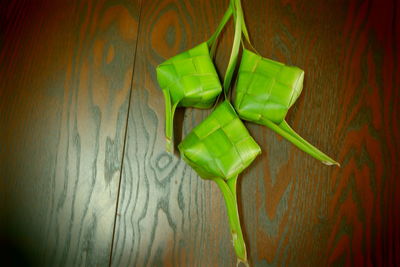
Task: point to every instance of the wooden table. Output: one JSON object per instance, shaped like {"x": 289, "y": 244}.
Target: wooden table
{"x": 84, "y": 176}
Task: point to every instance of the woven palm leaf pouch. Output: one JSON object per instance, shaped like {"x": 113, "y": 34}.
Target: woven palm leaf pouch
{"x": 220, "y": 148}
{"x": 265, "y": 91}
{"x": 190, "y": 79}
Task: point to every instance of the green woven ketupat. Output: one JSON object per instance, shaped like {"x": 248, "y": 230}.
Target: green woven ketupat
{"x": 189, "y": 79}
{"x": 220, "y": 146}
{"x": 265, "y": 91}
{"x": 266, "y": 88}
{"x": 219, "y": 149}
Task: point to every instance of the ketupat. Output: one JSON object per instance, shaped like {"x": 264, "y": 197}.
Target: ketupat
{"x": 219, "y": 149}
{"x": 190, "y": 79}
{"x": 265, "y": 91}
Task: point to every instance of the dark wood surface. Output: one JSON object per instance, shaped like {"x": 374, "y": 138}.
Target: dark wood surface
{"x": 66, "y": 69}
{"x": 84, "y": 176}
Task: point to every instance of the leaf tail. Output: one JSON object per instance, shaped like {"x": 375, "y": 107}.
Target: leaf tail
{"x": 169, "y": 121}
{"x": 235, "y": 50}
{"x": 287, "y": 132}
{"x": 228, "y": 189}
{"x": 212, "y": 41}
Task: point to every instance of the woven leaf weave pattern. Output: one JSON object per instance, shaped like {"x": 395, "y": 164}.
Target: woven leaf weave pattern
{"x": 266, "y": 88}
{"x": 190, "y": 78}
{"x": 220, "y": 146}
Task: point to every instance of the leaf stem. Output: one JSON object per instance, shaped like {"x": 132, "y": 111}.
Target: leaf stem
{"x": 245, "y": 32}
{"x": 287, "y": 132}
{"x": 169, "y": 121}
{"x": 228, "y": 189}
{"x": 212, "y": 41}
{"x": 235, "y": 48}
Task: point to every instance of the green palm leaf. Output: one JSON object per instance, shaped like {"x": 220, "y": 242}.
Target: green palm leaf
{"x": 265, "y": 91}
{"x": 190, "y": 79}
{"x": 219, "y": 149}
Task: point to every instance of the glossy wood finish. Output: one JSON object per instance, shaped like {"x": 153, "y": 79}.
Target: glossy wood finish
{"x": 72, "y": 86}
{"x": 66, "y": 69}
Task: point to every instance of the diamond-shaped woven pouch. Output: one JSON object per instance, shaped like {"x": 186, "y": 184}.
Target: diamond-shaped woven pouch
{"x": 189, "y": 80}
{"x": 220, "y": 146}
{"x": 266, "y": 88}
{"x": 265, "y": 91}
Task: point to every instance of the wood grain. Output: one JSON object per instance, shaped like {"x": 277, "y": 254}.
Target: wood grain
{"x": 295, "y": 211}
{"x": 165, "y": 213}
{"x": 308, "y": 214}
{"x": 85, "y": 179}
{"x": 66, "y": 69}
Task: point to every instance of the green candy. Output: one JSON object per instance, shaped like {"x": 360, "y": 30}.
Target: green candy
{"x": 265, "y": 91}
